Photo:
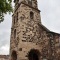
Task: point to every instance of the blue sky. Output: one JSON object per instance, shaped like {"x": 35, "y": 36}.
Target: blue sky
{"x": 50, "y": 17}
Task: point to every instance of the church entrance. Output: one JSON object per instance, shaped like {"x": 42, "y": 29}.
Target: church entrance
{"x": 33, "y": 55}
{"x": 14, "y": 55}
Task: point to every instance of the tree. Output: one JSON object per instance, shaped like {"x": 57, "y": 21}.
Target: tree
{"x": 5, "y": 6}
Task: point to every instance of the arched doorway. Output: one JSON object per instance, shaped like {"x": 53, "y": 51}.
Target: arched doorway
{"x": 33, "y": 55}
{"x": 14, "y": 55}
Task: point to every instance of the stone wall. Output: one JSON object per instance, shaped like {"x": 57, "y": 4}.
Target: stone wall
{"x": 30, "y": 34}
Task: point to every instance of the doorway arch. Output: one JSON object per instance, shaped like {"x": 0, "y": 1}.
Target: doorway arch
{"x": 33, "y": 55}
{"x": 14, "y": 55}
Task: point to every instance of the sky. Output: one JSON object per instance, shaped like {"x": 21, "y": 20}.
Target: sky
{"x": 50, "y": 17}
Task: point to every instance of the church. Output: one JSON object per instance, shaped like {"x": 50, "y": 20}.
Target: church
{"x": 30, "y": 40}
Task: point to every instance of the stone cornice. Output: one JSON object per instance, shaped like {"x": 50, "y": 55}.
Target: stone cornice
{"x": 18, "y": 5}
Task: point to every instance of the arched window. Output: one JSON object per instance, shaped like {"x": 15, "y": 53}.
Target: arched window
{"x": 31, "y": 15}
{"x": 15, "y": 33}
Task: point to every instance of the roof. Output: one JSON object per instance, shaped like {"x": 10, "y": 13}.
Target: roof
{"x": 46, "y": 29}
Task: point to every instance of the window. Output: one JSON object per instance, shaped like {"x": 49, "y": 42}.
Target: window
{"x": 30, "y": 2}
{"x": 31, "y": 15}
{"x": 15, "y": 33}
{"x": 14, "y": 19}
{"x": 17, "y": 16}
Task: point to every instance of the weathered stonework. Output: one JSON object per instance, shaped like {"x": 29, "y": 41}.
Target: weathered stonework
{"x": 29, "y": 38}
{"x": 4, "y": 57}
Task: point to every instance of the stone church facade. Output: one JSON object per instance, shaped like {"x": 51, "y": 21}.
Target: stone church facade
{"x": 30, "y": 40}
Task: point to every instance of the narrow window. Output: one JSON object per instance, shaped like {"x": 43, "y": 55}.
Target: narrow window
{"x": 17, "y": 16}
{"x": 14, "y": 19}
{"x": 31, "y": 15}
{"x": 30, "y": 2}
{"x": 15, "y": 33}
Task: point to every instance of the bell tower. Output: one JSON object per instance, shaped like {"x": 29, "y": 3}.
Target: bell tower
{"x": 33, "y": 3}
{"x": 24, "y": 43}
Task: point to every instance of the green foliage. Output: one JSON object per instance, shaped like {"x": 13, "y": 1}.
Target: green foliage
{"x": 5, "y": 6}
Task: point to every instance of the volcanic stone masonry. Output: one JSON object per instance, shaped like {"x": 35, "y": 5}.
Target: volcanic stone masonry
{"x": 30, "y": 40}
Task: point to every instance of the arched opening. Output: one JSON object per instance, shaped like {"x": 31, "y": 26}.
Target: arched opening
{"x": 14, "y": 55}
{"x": 31, "y": 15}
{"x": 33, "y": 55}
{"x": 30, "y": 2}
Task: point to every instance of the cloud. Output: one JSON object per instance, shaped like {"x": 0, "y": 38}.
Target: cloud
{"x": 50, "y": 14}
{"x": 4, "y": 50}
{"x": 5, "y": 29}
